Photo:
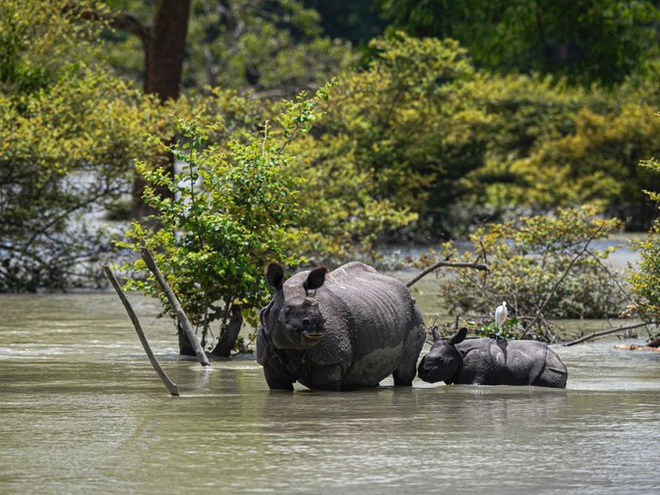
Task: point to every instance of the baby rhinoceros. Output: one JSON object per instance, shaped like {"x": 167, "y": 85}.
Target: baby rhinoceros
{"x": 491, "y": 362}
{"x": 342, "y": 330}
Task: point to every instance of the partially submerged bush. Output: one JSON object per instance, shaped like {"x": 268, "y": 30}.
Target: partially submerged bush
{"x": 645, "y": 279}
{"x": 69, "y": 131}
{"x": 236, "y": 207}
{"x": 542, "y": 266}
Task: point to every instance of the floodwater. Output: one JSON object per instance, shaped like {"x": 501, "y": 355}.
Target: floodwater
{"x": 82, "y": 411}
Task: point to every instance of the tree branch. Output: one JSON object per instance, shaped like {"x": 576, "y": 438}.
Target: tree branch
{"x": 130, "y": 24}
{"x": 174, "y": 301}
{"x": 561, "y": 279}
{"x": 453, "y": 264}
{"x": 602, "y": 333}
{"x": 124, "y": 21}
{"x": 171, "y": 386}
{"x": 611, "y": 275}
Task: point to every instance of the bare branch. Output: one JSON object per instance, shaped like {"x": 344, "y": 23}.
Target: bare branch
{"x": 171, "y": 386}
{"x": 603, "y": 333}
{"x": 611, "y": 275}
{"x": 453, "y": 264}
{"x": 584, "y": 249}
{"x": 130, "y": 24}
{"x": 123, "y": 21}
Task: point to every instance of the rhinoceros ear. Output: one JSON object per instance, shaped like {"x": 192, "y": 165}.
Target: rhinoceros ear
{"x": 315, "y": 279}
{"x": 459, "y": 337}
{"x": 275, "y": 275}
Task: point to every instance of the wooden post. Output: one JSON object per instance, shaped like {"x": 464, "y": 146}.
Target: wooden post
{"x": 174, "y": 301}
{"x": 171, "y": 386}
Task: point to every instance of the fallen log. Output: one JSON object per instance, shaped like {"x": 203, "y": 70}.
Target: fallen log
{"x": 171, "y": 386}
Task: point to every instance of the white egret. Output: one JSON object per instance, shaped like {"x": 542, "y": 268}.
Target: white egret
{"x": 501, "y": 314}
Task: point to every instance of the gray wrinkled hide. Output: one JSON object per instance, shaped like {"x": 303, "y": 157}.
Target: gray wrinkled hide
{"x": 492, "y": 362}
{"x": 370, "y": 324}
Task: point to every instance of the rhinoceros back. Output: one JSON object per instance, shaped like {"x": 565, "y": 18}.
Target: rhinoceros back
{"x": 516, "y": 362}
{"x": 372, "y": 323}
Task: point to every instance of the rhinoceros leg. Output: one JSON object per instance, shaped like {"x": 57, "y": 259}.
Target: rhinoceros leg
{"x": 276, "y": 379}
{"x": 402, "y": 378}
{"x": 327, "y": 377}
{"x": 405, "y": 373}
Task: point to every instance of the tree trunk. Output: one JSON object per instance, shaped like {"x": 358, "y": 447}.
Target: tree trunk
{"x": 185, "y": 346}
{"x": 164, "y": 46}
{"x": 228, "y": 336}
{"x": 164, "y": 50}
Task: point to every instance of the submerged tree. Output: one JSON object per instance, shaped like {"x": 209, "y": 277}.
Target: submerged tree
{"x": 236, "y": 207}
{"x": 645, "y": 278}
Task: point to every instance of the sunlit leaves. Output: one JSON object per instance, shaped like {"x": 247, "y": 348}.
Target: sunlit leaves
{"x": 68, "y": 142}
{"x": 272, "y": 46}
{"x": 236, "y": 207}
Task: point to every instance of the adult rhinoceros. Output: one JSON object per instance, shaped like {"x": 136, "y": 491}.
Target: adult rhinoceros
{"x": 342, "y": 330}
{"x": 491, "y": 362}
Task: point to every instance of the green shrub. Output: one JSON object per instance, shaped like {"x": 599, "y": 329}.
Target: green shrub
{"x": 236, "y": 207}
{"x": 552, "y": 146}
{"x": 645, "y": 278}
{"x": 542, "y": 266}
{"x": 420, "y": 132}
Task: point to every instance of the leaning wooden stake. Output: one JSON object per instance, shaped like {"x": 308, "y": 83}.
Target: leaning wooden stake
{"x": 178, "y": 309}
{"x": 171, "y": 386}
{"x": 453, "y": 264}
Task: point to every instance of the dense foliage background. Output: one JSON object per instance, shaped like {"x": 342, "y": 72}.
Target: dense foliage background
{"x": 440, "y": 117}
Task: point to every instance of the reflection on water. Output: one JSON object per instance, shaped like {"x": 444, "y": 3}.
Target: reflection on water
{"x": 83, "y": 411}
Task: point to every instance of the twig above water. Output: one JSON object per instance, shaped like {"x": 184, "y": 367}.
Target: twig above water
{"x": 584, "y": 249}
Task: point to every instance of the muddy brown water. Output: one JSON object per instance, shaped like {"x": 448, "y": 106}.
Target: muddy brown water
{"x": 81, "y": 411}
